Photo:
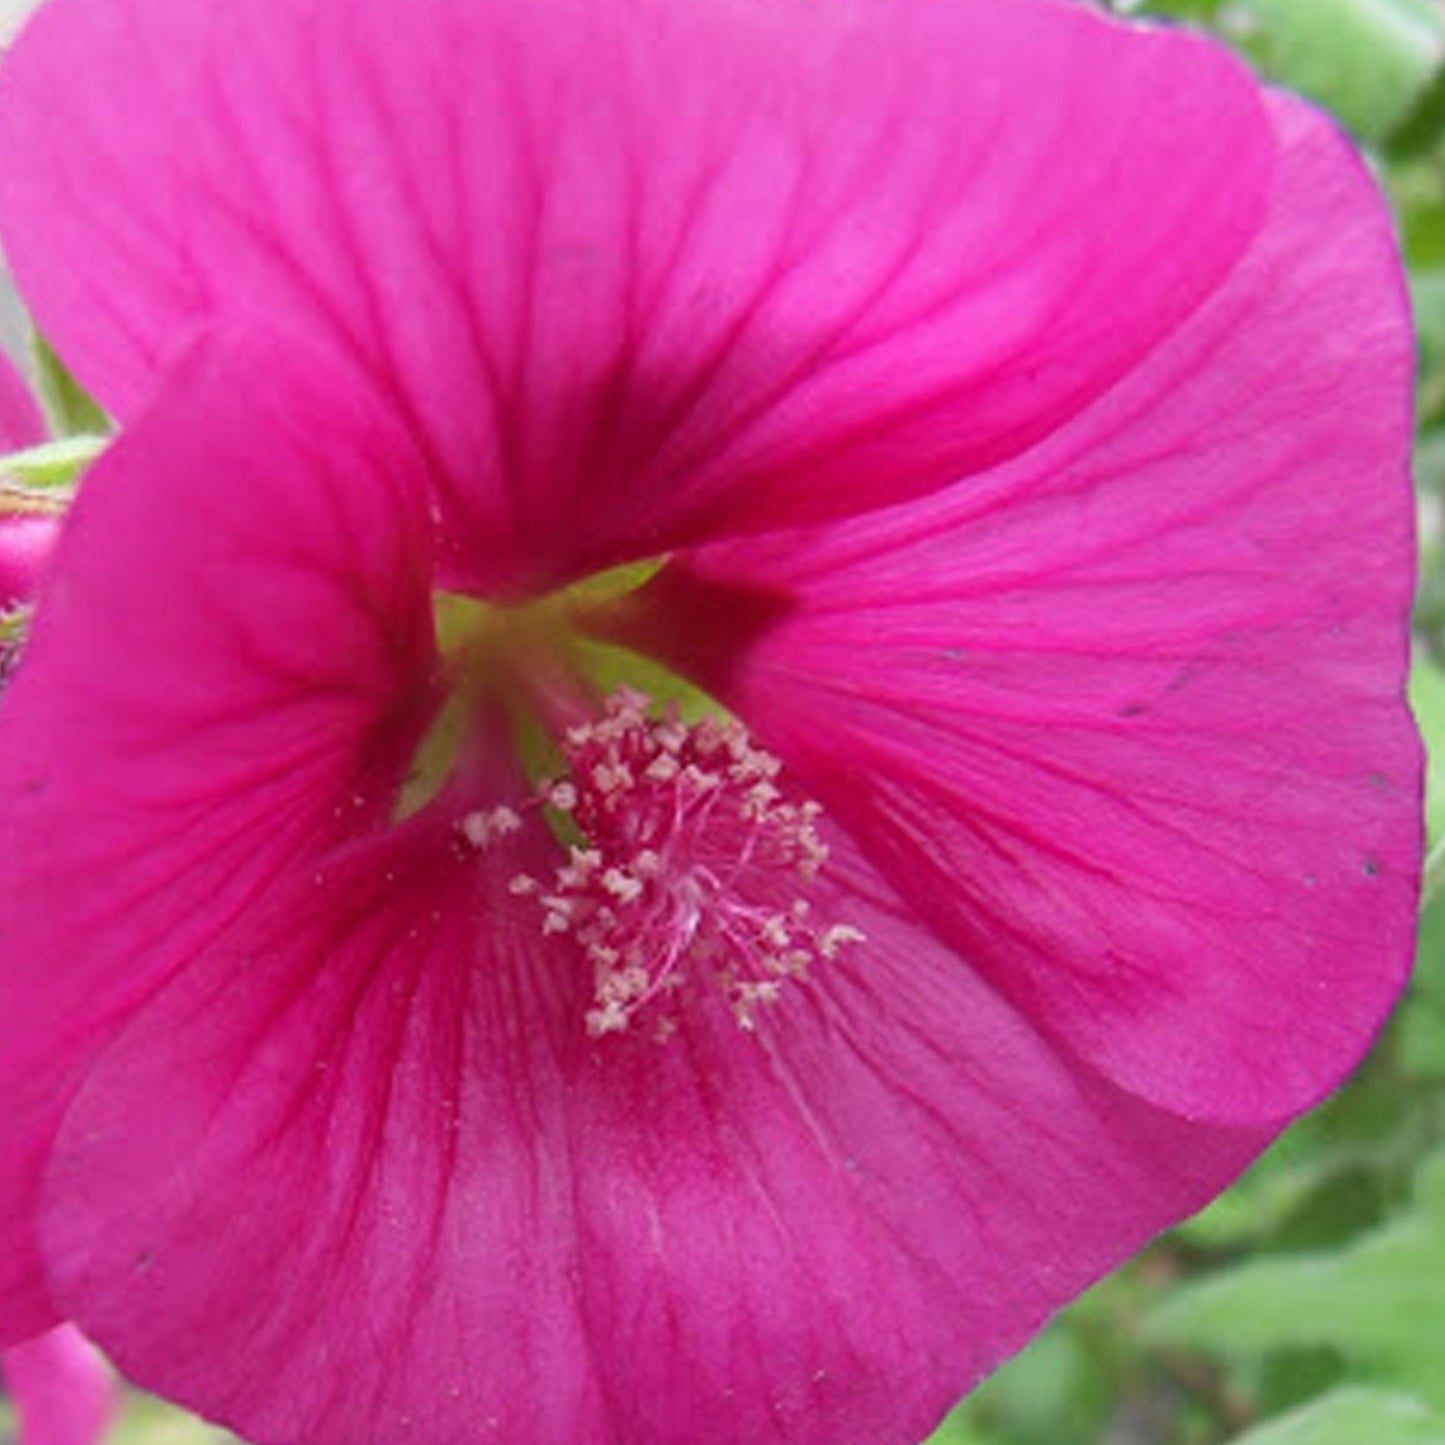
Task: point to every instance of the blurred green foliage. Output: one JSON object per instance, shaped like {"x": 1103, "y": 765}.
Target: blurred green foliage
{"x": 1355, "y": 1417}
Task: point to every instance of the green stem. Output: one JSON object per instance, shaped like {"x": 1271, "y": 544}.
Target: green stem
{"x": 53, "y": 466}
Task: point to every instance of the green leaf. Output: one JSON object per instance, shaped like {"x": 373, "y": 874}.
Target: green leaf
{"x": 956, "y": 1430}
{"x": 1377, "y": 1303}
{"x": 1427, "y": 295}
{"x": 1354, "y": 1416}
{"x": 1427, "y": 698}
{"x": 1422, "y": 1040}
{"x": 1054, "y": 1387}
{"x": 1420, "y": 1024}
{"x": 1423, "y": 126}
{"x": 1421, "y": 208}
{"x": 69, "y": 408}
{"x": 1198, "y": 11}
{"x": 148, "y": 1421}
{"x": 1369, "y": 61}
{"x": 52, "y": 467}
{"x": 1430, "y": 467}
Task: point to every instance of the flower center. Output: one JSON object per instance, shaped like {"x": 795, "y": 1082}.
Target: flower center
{"x": 687, "y": 855}
{"x": 695, "y": 859}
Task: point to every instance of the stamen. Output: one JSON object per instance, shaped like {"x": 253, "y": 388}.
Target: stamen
{"x": 483, "y": 827}
{"x": 695, "y": 855}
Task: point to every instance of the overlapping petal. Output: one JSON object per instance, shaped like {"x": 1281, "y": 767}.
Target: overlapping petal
{"x": 1124, "y": 719}
{"x": 121, "y": 852}
{"x": 635, "y": 270}
{"x": 355, "y": 1181}
{"x": 498, "y": 1228}
{"x": 25, "y": 541}
{"x": 62, "y": 1389}
{"x": 25, "y": 544}
{"x": 21, "y": 424}
{"x": 338, "y": 1156}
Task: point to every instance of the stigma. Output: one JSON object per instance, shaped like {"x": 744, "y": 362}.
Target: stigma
{"x": 691, "y": 861}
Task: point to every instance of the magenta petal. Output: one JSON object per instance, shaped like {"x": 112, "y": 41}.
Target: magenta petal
{"x": 25, "y": 541}
{"x": 209, "y": 689}
{"x": 61, "y": 1387}
{"x": 347, "y": 1213}
{"x": 359, "y": 1174}
{"x": 1127, "y": 721}
{"x": 636, "y": 270}
{"x": 25, "y": 547}
{"x": 21, "y": 424}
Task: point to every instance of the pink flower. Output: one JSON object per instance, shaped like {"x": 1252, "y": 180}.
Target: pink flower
{"x": 26, "y": 539}
{"x": 28, "y": 526}
{"x": 61, "y": 1389}
{"x": 1018, "y": 406}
